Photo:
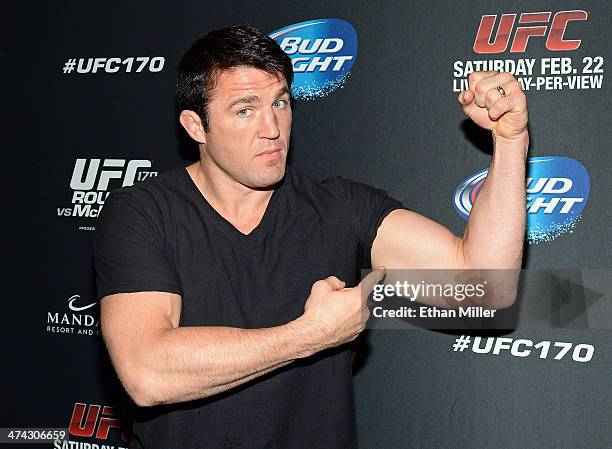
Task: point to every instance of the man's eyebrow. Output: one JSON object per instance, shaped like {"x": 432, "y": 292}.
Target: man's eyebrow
{"x": 249, "y": 99}
{"x": 282, "y": 91}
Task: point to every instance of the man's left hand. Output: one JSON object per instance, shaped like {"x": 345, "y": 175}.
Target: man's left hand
{"x": 501, "y": 110}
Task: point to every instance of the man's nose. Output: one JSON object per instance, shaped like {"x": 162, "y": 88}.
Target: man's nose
{"x": 268, "y": 125}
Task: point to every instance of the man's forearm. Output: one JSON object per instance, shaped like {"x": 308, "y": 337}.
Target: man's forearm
{"x": 187, "y": 363}
{"x": 495, "y": 231}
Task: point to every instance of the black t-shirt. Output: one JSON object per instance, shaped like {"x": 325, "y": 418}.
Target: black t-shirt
{"x": 162, "y": 235}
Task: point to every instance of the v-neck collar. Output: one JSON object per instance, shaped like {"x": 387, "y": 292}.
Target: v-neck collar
{"x": 259, "y": 231}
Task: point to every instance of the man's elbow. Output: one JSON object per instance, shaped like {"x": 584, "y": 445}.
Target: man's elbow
{"x": 135, "y": 380}
{"x": 146, "y": 389}
{"x": 139, "y": 388}
{"x": 502, "y": 286}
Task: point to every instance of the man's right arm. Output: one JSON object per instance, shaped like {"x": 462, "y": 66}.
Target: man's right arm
{"x": 159, "y": 362}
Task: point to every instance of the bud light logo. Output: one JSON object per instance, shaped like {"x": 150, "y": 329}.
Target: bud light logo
{"x": 322, "y": 52}
{"x": 557, "y": 191}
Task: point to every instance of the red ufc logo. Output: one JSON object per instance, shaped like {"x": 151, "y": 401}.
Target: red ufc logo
{"x": 525, "y": 29}
{"x": 80, "y": 427}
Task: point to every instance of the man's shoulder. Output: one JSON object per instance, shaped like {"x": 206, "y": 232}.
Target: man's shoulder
{"x": 154, "y": 186}
{"x": 306, "y": 184}
{"x": 336, "y": 186}
{"x": 154, "y": 195}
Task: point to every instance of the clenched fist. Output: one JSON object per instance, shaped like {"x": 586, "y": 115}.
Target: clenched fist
{"x": 496, "y": 101}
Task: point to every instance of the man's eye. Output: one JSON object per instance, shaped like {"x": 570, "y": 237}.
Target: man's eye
{"x": 244, "y": 112}
{"x": 280, "y": 104}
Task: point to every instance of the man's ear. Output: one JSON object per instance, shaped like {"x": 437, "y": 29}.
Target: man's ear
{"x": 193, "y": 125}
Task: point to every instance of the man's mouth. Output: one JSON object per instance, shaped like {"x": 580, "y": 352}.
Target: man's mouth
{"x": 271, "y": 157}
{"x": 270, "y": 151}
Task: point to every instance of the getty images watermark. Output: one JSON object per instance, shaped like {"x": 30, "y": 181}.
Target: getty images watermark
{"x": 490, "y": 299}
{"x": 441, "y": 298}
{"x": 431, "y": 292}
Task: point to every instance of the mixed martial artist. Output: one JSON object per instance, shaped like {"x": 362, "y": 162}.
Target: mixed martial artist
{"x": 229, "y": 287}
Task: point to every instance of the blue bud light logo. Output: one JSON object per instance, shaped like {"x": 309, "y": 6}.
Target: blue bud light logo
{"x": 557, "y": 191}
{"x": 322, "y": 52}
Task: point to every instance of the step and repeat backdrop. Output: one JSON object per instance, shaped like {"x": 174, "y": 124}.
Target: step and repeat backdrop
{"x": 89, "y": 107}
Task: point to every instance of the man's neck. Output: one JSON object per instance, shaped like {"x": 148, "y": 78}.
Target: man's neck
{"x": 242, "y": 206}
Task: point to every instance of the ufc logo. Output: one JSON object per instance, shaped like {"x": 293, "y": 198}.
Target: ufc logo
{"x": 94, "y": 419}
{"x": 524, "y": 30}
{"x": 112, "y": 169}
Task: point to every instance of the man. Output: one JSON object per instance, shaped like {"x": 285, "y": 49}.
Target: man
{"x": 229, "y": 287}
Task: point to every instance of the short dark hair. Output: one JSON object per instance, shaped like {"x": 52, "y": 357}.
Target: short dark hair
{"x": 222, "y": 50}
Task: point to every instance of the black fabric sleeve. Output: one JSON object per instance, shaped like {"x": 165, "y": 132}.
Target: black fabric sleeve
{"x": 370, "y": 206}
{"x": 129, "y": 247}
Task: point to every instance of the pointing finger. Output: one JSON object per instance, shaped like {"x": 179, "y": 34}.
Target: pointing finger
{"x": 367, "y": 283}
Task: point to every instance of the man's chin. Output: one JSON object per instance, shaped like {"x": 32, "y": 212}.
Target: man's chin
{"x": 267, "y": 178}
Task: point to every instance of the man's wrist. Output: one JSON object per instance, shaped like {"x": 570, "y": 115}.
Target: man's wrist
{"x": 308, "y": 335}
{"x": 521, "y": 138}
{"x": 510, "y": 145}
